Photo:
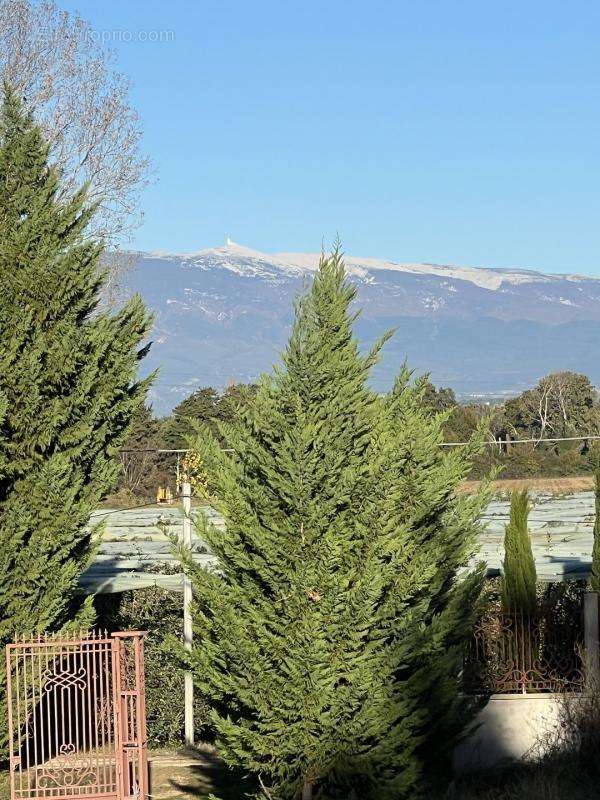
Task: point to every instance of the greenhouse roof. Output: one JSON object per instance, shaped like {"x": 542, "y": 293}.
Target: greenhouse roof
{"x": 136, "y": 549}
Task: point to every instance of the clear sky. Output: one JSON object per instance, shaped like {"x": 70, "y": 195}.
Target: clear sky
{"x": 451, "y": 131}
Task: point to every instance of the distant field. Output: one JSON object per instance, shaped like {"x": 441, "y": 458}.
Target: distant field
{"x": 559, "y": 486}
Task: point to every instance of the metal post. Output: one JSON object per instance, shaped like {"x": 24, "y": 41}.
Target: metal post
{"x": 140, "y": 716}
{"x": 14, "y": 760}
{"x": 186, "y": 491}
{"x": 591, "y": 629}
{"x": 119, "y": 733}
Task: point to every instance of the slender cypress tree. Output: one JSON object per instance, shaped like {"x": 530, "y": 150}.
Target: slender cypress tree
{"x": 337, "y": 584}
{"x": 595, "y": 576}
{"x": 68, "y": 387}
{"x": 519, "y": 579}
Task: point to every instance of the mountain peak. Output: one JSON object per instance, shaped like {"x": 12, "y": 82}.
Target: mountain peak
{"x": 224, "y": 314}
{"x": 238, "y": 257}
{"x": 229, "y": 248}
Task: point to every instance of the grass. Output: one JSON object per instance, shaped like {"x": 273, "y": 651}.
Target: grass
{"x": 556, "y": 778}
{"x": 560, "y": 780}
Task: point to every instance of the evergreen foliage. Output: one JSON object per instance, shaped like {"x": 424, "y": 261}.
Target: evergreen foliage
{"x": 67, "y": 387}
{"x": 157, "y": 611}
{"x": 201, "y": 405}
{"x": 595, "y": 576}
{"x": 329, "y": 642}
{"x": 204, "y": 406}
{"x": 143, "y": 469}
{"x": 519, "y": 578}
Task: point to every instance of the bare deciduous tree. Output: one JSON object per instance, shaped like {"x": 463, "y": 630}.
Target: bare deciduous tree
{"x": 562, "y": 404}
{"x": 54, "y": 60}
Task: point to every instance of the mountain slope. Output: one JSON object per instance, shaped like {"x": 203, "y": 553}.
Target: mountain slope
{"x": 223, "y": 314}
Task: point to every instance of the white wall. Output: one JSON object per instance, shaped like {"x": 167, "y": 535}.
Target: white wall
{"x": 509, "y": 727}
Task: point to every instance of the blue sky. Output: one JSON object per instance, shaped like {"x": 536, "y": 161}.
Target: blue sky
{"x": 454, "y": 132}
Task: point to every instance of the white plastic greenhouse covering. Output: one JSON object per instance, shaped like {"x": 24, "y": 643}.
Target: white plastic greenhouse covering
{"x": 136, "y": 543}
{"x": 136, "y": 550}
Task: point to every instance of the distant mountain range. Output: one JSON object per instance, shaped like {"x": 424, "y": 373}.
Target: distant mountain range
{"x": 223, "y": 314}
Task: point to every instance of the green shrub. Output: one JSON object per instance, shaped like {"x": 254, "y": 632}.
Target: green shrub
{"x": 160, "y": 613}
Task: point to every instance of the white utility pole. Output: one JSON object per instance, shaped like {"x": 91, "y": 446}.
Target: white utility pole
{"x": 186, "y": 493}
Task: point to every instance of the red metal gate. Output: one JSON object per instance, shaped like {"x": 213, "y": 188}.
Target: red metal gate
{"x": 77, "y": 718}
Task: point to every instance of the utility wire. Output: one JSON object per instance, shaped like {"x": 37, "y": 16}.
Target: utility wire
{"x": 490, "y": 442}
{"x": 496, "y": 442}
{"x": 151, "y": 450}
{"x": 162, "y": 450}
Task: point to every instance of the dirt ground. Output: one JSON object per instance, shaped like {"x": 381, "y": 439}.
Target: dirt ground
{"x": 582, "y": 483}
{"x": 192, "y": 775}
{"x": 185, "y": 775}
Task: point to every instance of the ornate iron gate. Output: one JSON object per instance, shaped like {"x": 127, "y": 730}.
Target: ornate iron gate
{"x": 77, "y": 718}
{"x": 524, "y": 652}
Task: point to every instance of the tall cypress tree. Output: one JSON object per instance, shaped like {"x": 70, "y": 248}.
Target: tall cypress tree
{"x": 68, "y": 386}
{"x": 433, "y": 601}
{"x": 595, "y": 574}
{"x": 519, "y": 578}
{"x": 337, "y": 584}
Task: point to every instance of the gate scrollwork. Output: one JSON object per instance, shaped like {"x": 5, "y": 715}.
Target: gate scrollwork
{"x": 77, "y": 724}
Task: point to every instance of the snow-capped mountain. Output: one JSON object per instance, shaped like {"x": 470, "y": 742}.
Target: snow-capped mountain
{"x": 223, "y": 314}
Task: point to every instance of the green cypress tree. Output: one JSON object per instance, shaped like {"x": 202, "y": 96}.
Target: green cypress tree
{"x": 519, "y": 574}
{"x": 202, "y": 405}
{"x": 433, "y": 604}
{"x": 337, "y": 585}
{"x": 68, "y": 387}
{"x": 595, "y": 575}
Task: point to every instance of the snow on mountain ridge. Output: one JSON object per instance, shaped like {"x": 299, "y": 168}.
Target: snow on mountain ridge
{"x": 224, "y": 314}
{"x": 246, "y": 261}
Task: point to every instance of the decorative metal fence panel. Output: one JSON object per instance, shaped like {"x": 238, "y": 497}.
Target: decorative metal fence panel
{"x": 77, "y": 717}
{"x": 519, "y": 652}
{"x": 130, "y": 716}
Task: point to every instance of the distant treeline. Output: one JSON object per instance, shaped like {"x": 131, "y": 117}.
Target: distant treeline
{"x": 143, "y": 470}
{"x": 561, "y": 405}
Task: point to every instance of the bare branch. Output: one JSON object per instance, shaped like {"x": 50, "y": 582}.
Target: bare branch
{"x": 264, "y": 789}
{"x": 82, "y": 102}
